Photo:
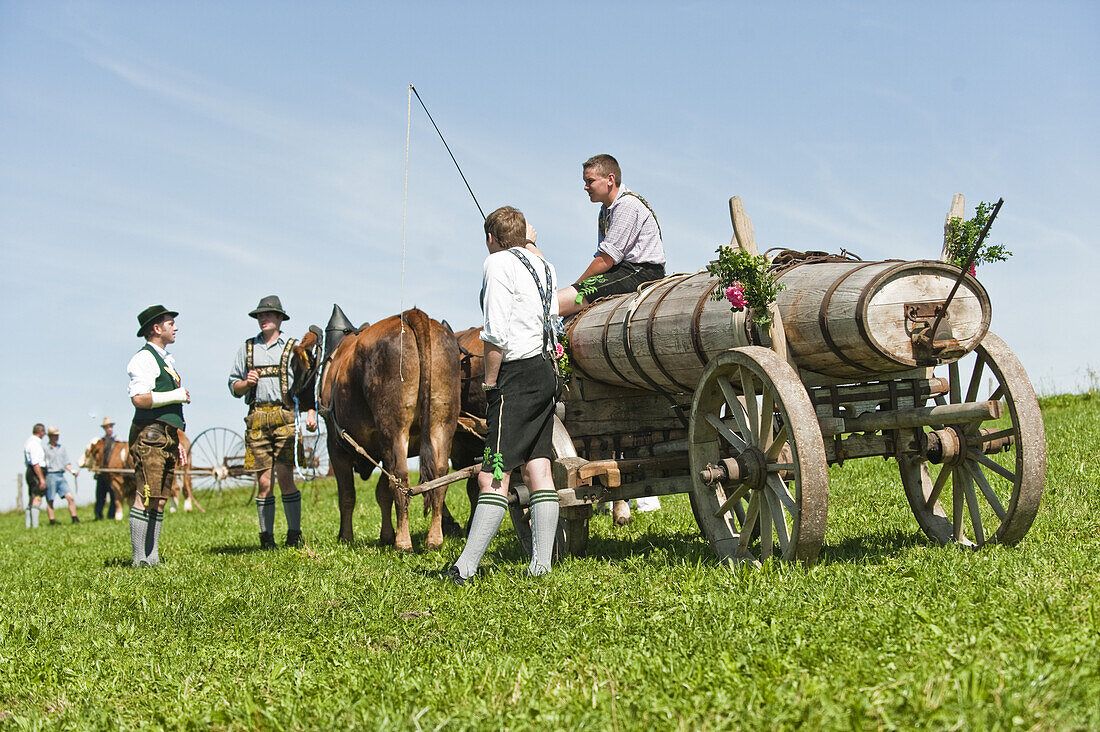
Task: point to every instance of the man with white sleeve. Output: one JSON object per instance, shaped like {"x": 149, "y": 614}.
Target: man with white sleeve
{"x": 521, "y": 387}
{"x": 155, "y": 448}
{"x": 34, "y": 458}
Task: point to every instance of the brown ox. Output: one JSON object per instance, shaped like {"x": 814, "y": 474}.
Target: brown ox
{"x": 123, "y": 485}
{"x": 387, "y": 390}
{"x": 468, "y": 447}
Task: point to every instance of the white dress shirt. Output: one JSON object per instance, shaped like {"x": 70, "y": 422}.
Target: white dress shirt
{"x": 144, "y": 370}
{"x": 511, "y": 304}
{"x": 33, "y": 452}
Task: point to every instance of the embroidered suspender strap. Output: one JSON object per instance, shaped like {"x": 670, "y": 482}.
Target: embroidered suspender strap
{"x": 605, "y": 215}
{"x": 548, "y": 337}
{"x": 278, "y": 371}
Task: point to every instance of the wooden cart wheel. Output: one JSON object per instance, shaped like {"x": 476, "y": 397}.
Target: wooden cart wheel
{"x": 993, "y": 472}
{"x": 217, "y": 460}
{"x": 569, "y": 530}
{"x": 739, "y": 460}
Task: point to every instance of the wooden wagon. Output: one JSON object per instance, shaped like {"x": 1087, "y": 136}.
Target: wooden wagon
{"x": 675, "y": 393}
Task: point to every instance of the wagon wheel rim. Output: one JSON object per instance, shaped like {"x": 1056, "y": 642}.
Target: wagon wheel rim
{"x": 751, "y": 406}
{"x": 216, "y": 460}
{"x": 979, "y": 498}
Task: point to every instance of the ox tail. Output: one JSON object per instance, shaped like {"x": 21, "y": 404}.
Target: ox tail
{"x": 421, "y": 326}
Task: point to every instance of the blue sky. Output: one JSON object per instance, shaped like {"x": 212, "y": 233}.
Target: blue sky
{"x": 204, "y": 154}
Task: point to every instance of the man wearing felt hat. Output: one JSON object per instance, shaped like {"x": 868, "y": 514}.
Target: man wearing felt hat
{"x": 103, "y": 491}
{"x": 271, "y": 382}
{"x": 158, "y": 398}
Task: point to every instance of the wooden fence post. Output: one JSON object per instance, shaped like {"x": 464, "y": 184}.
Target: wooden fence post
{"x": 19, "y": 491}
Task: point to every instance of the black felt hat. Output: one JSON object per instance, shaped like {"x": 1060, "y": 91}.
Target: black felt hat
{"x": 151, "y": 314}
{"x": 270, "y": 304}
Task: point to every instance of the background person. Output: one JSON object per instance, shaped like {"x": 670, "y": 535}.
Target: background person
{"x": 629, "y": 249}
{"x": 34, "y": 458}
{"x": 155, "y": 449}
{"x": 521, "y": 385}
{"x": 103, "y": 490}
{"x": 263, "y": 374}
{"x": 57, "y": 464}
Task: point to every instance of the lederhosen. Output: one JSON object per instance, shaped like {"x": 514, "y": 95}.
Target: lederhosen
{"x": 269, "y": 426}
{"x": 35, "y": 487}
{"x": 154, "y": 438}
{"x": 624, "y": 276}
{"x": 520, "y": 414}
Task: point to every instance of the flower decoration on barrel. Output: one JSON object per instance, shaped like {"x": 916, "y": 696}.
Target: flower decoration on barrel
{"x": 962, "y": 237}
{"x": 745, "y": 281}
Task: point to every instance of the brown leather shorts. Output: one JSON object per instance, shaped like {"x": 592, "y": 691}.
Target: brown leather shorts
{"x": 154, "y": 448}
{"x": 268, "y": 437}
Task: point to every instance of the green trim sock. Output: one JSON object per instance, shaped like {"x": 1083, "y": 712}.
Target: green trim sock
{"x": 488, "y": 514}
{"x": 139, "y": 522}
{"x": 265, "y": 511}
{"x": 152, "y": 547}
{"x": 292, "y": 509}
{"x": 35, "y": 510}
{"x": 544, "y": 527}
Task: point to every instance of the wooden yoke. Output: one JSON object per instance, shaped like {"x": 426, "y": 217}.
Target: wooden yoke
{"x": 744, "y": 239}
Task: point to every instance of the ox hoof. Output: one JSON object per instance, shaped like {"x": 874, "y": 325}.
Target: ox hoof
{"x": 344, "y": 538}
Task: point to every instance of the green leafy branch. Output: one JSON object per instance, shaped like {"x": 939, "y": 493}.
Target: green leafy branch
{"x": 744, "y": 280}
{"x": 962, "y": 237}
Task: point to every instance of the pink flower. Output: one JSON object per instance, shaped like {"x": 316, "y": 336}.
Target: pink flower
{"x": 559, "y": 351}
{"x": 735, "y": 293}
{"x": 973, "y": 271}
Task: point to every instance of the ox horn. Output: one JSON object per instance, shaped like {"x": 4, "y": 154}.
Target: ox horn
{"x": 338, "y": 327}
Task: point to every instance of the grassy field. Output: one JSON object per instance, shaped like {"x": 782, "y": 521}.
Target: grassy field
{"x": 887, "y": 631}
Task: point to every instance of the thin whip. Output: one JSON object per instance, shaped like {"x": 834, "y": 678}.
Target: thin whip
{"x": 404, "y": 223}
{"x": 471, "y": 190}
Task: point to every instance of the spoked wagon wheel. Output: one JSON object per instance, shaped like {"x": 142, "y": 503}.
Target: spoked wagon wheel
{"x": 217, "y": 460}
{"x": 755, "y": 443}
{"x": 521, "y": 514}
{"x": 313, "y": 458}
{"x": 993, "y": 472}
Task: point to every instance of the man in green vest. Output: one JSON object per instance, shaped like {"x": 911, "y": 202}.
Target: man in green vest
{"x": 155, "y": 447}
{"x": 265, "y": 374}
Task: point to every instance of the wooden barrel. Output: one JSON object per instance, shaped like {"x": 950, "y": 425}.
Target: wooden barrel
{"x": 843, "y": 319}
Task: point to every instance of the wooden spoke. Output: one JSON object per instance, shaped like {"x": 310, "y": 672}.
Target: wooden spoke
{"x": 940, "y": 399}
{"x": 1007, "y": 432}
{"x": 766, "y": 410}
{"x": 957, "y": 499}
{"x": 956, "y": 387}
{"x": 963, "y": 476}
{"x": 724, "y": 430}
{"x": 751, "y": 405}
{"x": 779, "y": 521}
{"x": 994, "y": 466}
{"x": 765, "y": 527}
{"x": 735, "y": 407}
{"x": 784, "y": 496}
{"x": 776, "y": 447}
{"x": 750, "y": 522}
{"x": 775, "y": 467}
{"x": 975, "y": 379}
{"x": 941, "y": 481}
{"x": 734, "y": 499}
{"x": 998, "y": 394}
{"x": 987, "y": 491}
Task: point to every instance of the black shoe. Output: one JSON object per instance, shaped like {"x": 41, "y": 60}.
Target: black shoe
{"x": 293, "y": 538}
{"x": 267, "y": 540}
{"x": 455, "y": 576}
{"x": 53, "y": 522}
{"x": 76, "y": 519}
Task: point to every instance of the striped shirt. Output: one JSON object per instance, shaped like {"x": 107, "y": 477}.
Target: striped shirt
{"x": 632, "y": 234}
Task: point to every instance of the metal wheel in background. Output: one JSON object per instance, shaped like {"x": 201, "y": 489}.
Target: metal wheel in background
{"x": 760, "y": 482}
{"x": 217, "y": 460}
{"x": 314, "y": 453}
{"x": 983, "y": 481}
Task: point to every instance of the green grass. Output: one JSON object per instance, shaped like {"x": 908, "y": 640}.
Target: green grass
{"x": 646, "y": 632}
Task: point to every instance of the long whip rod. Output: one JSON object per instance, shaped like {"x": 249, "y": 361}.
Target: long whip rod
{"x": 471, "y": 190}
